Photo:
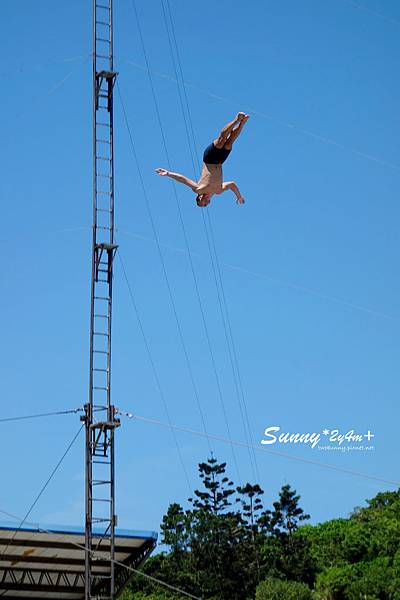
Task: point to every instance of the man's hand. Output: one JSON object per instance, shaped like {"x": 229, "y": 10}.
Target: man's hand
{"x": 162, "y": 172}
{"x": 240, "y": 200}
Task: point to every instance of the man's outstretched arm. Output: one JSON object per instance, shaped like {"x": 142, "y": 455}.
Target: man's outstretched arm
{"x": 231, "y": 185}
{"x": 178, "y": 177}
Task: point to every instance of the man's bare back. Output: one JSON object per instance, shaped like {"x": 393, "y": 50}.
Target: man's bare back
{"x": 211, "y": 181}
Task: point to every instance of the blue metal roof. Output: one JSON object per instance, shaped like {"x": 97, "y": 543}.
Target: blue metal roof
{"x": 72, "y": 529}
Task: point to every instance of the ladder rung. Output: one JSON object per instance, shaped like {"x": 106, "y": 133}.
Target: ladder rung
{"x": 99, "y": 315}
{"x": 99, "y": 333}
{"x": 101, "y": 462}
{"x": 103, "y": 158}
{"x": 106, "y": 228}
{"x": 103, "y": 56}
{"x": 102, "y": 270}
{"x": 101, "y": 298}
{"x": 102, "y": 23}
{"x": 100, "y": 520}
{"x": 104, "y": 176}
{"x": 103, "y": 124}
{"x": 100, "y": 500}
{"x": 103, "y": 40}
{"x": 101, "y": 193}
{"x": 100, "y": 388}
{"x": 103, "y": 141}
{"x": 101, "y": 370}
{"x": 102, "y": 6}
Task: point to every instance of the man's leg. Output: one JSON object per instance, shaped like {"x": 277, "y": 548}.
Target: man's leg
{"x": 234, "y": 133}
{"x": 225, "y": 131}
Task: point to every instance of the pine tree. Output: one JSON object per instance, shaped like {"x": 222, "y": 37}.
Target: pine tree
{"x": 216, "y": 535}
{"x": 284, "y": 553}
{"x": 251, "y": 504}
{"x": 218, "y": 489}
{"x": 174, "y": 529}
{"x": 249, "y": 497}
{"x": 287, "y": 513}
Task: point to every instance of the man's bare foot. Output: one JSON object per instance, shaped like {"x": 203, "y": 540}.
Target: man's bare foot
{"x": 242, "y": 117}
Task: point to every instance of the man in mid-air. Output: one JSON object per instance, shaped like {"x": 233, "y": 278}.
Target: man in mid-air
{"x": 215, "y": 154}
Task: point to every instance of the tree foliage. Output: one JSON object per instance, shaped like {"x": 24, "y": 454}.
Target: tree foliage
{"x": 227, "y": 545}
{"x": 278, "y": 589}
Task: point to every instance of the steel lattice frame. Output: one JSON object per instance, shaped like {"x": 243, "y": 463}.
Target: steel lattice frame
{"x": 99, "y": 417}
{"x": 55, "y": 567}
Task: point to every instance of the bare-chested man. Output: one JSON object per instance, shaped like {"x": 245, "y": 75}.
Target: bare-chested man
{"x": 215, "y": 154}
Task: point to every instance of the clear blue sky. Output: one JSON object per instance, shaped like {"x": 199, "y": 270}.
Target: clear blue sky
{"x": 310, "y": 263}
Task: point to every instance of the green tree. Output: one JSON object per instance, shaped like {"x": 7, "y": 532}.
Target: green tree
{"x": 277, "y": 589}
{"x": 220, "y": 553}
{"x": 251, "y": 504}
{"x": 334, "y": 583}
{"x": 175, "y": 528}
{"x": 218, "y": 488}
{"x": 287, "y": 513}
{"x": 217, "y": 535}
{"x": 335, "y": 543}
{"x": 284, "y": 552}
{"x": 251, "y": 535}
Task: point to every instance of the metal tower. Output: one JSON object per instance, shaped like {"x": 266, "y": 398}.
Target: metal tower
{"x": 100, "y": 419}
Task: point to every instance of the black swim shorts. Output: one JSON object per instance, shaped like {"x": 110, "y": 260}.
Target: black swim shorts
{"x": 215, "y": 156}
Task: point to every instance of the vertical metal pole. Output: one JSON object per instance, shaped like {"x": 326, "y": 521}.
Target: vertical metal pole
{"x": 88, "y": 478}
{"x": 110, "y": 407}
{"x": 89, "y": 406}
